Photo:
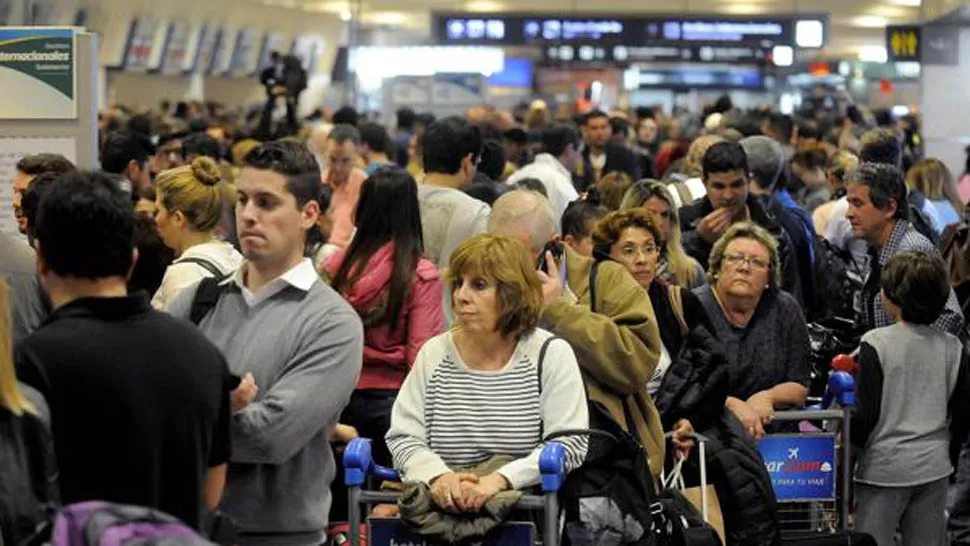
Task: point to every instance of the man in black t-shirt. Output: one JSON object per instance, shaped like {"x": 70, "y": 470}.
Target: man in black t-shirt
{"x": 139, "y": 401}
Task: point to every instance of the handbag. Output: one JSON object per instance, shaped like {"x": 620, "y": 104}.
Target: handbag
{"x": 703, "y": 497}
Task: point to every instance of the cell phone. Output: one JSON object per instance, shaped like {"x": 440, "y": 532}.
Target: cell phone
{"x": 557, "y": 250}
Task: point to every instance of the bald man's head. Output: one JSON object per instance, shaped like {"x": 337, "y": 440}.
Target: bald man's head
{"x": 525, "y": 215}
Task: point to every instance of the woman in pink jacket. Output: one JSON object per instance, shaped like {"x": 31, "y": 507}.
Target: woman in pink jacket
{"x": 396, "y": 292}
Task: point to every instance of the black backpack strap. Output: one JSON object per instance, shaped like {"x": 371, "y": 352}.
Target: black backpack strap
{"x": 593, "y": 271}
{"x": 206, "y": 297}
{"x": 204, "y": 264}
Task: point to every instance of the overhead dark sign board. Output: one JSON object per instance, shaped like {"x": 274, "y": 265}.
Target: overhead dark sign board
{"x": 534, "y": 29}
{"x": 904, "y": 43}
{"x": 625, "y": 55}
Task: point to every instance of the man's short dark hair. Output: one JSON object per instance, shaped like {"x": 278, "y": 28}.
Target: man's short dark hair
{"x": 885, "y": 182}
{"x": 533, "y": 184}
{"x": 620, "y": 126}
{"x": 346, "y": 114}
{"x": 119, "y": 149}
{"x": 37, "y": 189}
{"x": 141, "y": 124}
{"x": 492, "y": 164}
{"x": 375, "y": 136}
{"x": 809, "y": 129}
{"x": 292, "y": 160}
{"x": 200, "y": 144}
{"x": 918, "y": 283}
{"x": 579, "y": 216}
{"x": 882, "y": 146}
{"x": 344, "y": 133}
{"x": 558, "y": 136}
{"x": 85, "y": 227}
{"x": 644, "y": 112}
{"x": 406, "y": 118}
{"x": 447, "y": 142}
{"x": 33, "y": 165}
{"x": 595, "y": 114}
{"x": 783, "y": 125}
{"x": 725, "y": 157}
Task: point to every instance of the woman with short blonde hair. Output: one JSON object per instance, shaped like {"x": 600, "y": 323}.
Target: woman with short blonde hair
{"x": 675, "y": 266}
{"x": 494, "y": 386}
{"x": 190, "y": 202}
{"x": 762, "y": 327}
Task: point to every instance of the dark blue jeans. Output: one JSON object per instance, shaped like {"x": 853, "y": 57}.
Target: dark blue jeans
{"x": 958, "y": 525}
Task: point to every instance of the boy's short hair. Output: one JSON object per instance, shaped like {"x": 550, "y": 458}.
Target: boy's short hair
{"x": 580, "y": 218}
{"x": 918, "y": 283}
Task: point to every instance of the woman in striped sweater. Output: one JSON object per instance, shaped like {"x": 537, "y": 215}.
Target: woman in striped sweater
{"x": 495, "y": 385}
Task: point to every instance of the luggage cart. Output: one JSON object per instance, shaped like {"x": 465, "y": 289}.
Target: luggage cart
{"x": 811, "y": 470}
{"x": 358, "y": 466}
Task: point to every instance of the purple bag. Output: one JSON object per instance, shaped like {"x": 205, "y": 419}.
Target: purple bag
{"x": 97, "y": 523}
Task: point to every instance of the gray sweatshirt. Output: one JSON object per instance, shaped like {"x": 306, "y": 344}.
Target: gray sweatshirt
{"x": 304, "y": 348}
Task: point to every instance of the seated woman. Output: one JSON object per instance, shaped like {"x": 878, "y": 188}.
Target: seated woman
{"x": 189, "y": 207}
{"x": 762, "y": 328}
{"x": 630, "y": 238}
{"x": 495, "y": 385}
{"x": 675, "y": 266}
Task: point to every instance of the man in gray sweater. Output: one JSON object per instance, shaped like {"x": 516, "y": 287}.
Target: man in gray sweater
{"x": 295, "y": 339}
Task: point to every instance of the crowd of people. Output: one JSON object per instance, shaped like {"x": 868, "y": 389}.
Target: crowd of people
{"x": 200, "y": 325}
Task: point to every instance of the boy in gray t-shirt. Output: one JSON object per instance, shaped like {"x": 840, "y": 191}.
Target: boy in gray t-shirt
{"x": 913, "y": 399}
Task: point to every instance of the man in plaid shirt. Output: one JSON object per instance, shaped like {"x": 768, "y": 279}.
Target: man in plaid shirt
{"x": 879, "y": 215}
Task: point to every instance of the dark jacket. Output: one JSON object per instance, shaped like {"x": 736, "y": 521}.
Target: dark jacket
{"x": 618, "y": 158}
{"x": 699, "y": 249}
{"x": 695, "y": 386}
{"x": 801, "y": 230}
{"x": 28, "y": 488}
{"x": 744, "y": 490}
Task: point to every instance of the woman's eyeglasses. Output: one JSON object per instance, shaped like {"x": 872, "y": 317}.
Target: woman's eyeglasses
{"x": 631, "y": 252}
{"x": 735, "y": 260}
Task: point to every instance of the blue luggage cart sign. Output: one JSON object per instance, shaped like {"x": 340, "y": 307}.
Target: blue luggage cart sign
{"x": 394, "y": 532}
{"x": 802, "y": 468}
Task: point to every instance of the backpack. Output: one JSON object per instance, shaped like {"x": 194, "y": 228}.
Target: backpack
{"x": 838, "y": 278}
{"x": 97, "y": 523}
{"x": 206, "y": 297}
{"x": 920, "y": 221}
{"x": 955, "y": 246}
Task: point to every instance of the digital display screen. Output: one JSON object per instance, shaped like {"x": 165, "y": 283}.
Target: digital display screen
{"x": 523, "y": 29}
{"x": 751, "y": 79}
{"x": 621, "y": 54}
{"x": 517, "y": 72}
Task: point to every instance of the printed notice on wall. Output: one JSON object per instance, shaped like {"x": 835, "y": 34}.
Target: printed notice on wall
{"x": 11, "y": 150}
{"x": 38, "y": 73}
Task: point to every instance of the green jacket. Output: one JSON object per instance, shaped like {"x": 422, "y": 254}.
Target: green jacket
{"x": 617, "y": 346}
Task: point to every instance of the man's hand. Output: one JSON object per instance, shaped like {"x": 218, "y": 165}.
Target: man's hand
{"x": 447, "y": 491}
{"x": 244, "y": 394}
{"x": 762, "y": 405}
{"x": 712, "y": 226}
{"x": 343, "y": 434}
{"x": 552, "y": 287}
{"x": 748, "y": 417}
{"x": 487, "y": 487}
{"x": 682, "y": 443}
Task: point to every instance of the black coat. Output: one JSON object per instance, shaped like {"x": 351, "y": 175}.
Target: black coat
{"x": 699, "y": 249}
{"x": 695, "y": 386}
{"x": 744, "y": 491}
{"x": 618, "y": 159}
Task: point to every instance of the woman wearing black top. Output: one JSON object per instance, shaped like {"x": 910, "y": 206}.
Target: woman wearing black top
{"x": 631, "y": 238}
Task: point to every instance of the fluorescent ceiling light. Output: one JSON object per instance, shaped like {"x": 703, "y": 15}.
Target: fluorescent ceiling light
{"x": 869, "y": 21}
{"x": 910, "y": 3}
{"x": 345, "y": 15}
{"x": 743, "y": 9}
{"x": 484, "y": 6}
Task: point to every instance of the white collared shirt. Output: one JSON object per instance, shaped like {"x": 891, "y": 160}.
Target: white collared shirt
{"x": 557, "y": 180}
{"x": 302, "y": 277}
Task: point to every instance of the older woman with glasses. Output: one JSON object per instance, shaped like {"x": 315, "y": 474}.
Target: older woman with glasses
{"x": 762, "y": 328}
{"x": 674, "y": 266}
{"x": 631, "y": 237}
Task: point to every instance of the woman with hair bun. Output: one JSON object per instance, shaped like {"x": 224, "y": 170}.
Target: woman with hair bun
{"x": 189, "y": 205}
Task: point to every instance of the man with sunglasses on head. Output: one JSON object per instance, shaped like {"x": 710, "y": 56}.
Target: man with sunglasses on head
{"x": 728, "y": 202}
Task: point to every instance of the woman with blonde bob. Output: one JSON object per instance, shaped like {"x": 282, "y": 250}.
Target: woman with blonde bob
{"x": 26, "y": 451}
{"x": 675, "y": 266}
{"x": 189, "y": 206}
{"x": 933, "y": 179}
{"x": 490, "y": 389}
{"x": 762, "y": 328}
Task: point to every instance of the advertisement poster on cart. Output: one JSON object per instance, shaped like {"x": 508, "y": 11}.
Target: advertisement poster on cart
{"x": 802, "y": 468}
{"x": 38, "y": 73}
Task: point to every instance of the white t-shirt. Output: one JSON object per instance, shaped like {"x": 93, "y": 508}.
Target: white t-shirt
{"x": 182, "y": 273}
{"x": 556, "y": 179}
{"x": 448, "y": 217}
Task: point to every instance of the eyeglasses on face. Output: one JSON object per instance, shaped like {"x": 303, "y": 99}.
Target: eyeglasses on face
{"x": 631, "y": 252}
{"x": 735, "y": 260}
